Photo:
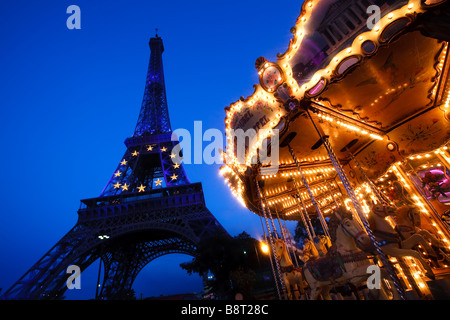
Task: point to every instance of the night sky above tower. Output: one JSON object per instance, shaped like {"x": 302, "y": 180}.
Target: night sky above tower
{"x": 69, "y": 99}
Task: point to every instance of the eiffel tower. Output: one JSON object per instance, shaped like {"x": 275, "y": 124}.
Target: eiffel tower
{"x": 147, "y": 209}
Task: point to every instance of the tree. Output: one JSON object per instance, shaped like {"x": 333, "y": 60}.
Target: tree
{"x": 230, "y": 259}
{"x": 300, "y": 232}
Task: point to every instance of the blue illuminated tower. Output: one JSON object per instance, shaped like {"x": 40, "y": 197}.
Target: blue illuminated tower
{"x": 147, "y": 209}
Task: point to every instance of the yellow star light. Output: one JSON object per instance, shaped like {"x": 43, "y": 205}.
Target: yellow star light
{"x": 135, "y": 153}
{"x": 149, "y": 148}
{"x": 141, "y": 188}
{"x": 124, "y": 162}
{"x": 174, "y": 177}
{"x": 117, "y": 185}
{"x": 176, "y": 166}
{"x": 172, "y": 155}
{"x": 158, "y": 182}
{"x": 163, "y": 149}
{"x": 117, "y": 174}
{"x": 125, "y": 187}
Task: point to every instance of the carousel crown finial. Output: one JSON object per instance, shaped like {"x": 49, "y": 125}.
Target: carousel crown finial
{"x": 260, "y": 62}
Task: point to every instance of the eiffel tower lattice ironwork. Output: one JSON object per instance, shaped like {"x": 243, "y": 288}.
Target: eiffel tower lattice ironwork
{"x": 147, "y": 209}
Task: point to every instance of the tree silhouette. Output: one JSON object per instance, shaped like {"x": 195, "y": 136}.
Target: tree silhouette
{"x": 300, "y": 232}
{"x": 232, "y": 261}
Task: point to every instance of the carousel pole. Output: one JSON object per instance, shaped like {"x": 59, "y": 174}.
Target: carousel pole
{"x": 306, "y": 221}
{"x": 281, "y": 226}
{"x": 329, "y": 186}
{"x": 285, "y": 238}
{"x": 271, "y": 261}
{"x": 311, "y": 196}
{"x": 292, "y": 246}
{"x": 348, "y": 187}
{"x": 270, "y": 216}
{"x": 277, "y": 265}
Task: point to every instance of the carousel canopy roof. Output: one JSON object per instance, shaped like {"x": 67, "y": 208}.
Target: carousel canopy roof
{"x": 378, "y": 94}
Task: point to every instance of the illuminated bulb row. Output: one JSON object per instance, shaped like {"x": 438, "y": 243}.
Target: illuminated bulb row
{"x": 431, "y": 165}
{"x": 305, "y": 195}
{"x": 325, "y": 201}
{"x": 260, "y": 94}
{"x": 291, "y": 212}
{"x": 278, "y": 200}
{"x": 329, "y": 209}
{"x": 349, "y": 126}
{"x": 416, "y": 272}
{"x": 317, "y": 158}
{"x": 401, "y": 272}
{"x": 296, "y": 210}
{"x": 420, "y": 156}
{"x": 316, "y": 179}
{"x": 439, "y": 151}
{"x": 237, "y": 191}
{"x": 290, "y": 203}
{"x": 296, "y": 173}
{"x": 440, "y": 68}
{"x": 389, "y": 91}
{"x": 276, "y": 190}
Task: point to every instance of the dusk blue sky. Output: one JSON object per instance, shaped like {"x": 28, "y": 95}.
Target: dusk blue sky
{"x": 69, "y": 99}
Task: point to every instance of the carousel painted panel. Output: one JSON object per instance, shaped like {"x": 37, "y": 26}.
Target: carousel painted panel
{"x": 249, "y": 126}
{"x": 391, "y": 86}
{"x": 376, "y": 159}
{"x": 422, "y": 134}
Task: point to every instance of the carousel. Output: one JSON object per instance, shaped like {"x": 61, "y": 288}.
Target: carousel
{"x": 350, "y": 126}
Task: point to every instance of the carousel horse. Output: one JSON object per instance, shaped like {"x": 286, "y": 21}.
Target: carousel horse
{"x": 408, "y": 221}
{"x": 322, "y": 244}
{"x": 292, "y": 276}
{"x": 390, "y": 241}
{"x": 308, "y": 252}
{"x": 436, "y": 183}
{"x": 316, "y": 248}
{"x": 345, "y": 263}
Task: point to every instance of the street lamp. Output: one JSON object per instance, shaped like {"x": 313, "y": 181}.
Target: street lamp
{"x": 264, "y": 247}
